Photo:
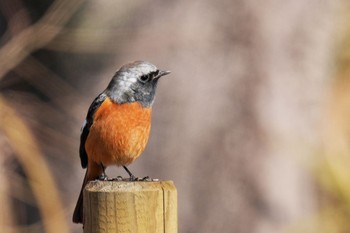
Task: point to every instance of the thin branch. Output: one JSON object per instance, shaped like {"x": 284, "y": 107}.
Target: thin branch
{"x": 35, "y": 166}
{"x": 37, "y": 35}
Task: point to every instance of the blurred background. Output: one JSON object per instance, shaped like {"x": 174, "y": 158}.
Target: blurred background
{"x": 253, "y": 124}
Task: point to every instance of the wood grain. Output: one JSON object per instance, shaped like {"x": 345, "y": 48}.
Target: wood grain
{"x": 120, "y": 206}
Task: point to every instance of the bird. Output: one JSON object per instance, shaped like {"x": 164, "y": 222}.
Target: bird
{"x": 118, "y": 123}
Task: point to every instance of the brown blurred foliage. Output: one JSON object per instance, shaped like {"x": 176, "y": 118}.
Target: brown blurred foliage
{"x": 253, "y": 124}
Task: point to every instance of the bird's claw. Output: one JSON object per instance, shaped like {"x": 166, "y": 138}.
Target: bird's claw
{"x": 118, "y": 178}
{"x": 133, "y": 178}
{"x": 146, "y": 178}
{"x": 103, "y": 177}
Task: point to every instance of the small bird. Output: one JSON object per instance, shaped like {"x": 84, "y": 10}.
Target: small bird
{"x": 118, "y": 123}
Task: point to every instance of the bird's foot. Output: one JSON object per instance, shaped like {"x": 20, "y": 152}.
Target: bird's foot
{"x": 103, "y": 177}
{"x": 133, "y": 178}
{"x": 118, "y": 178}
{"x": 146, "y": 178}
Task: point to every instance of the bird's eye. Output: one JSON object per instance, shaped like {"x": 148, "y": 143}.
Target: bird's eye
{"x": 145, "y": 78}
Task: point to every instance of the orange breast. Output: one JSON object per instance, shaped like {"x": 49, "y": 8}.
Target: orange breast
{"x": 119, "y": 133}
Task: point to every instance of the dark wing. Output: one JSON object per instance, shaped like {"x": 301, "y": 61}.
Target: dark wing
{"x": 86, "y": 127}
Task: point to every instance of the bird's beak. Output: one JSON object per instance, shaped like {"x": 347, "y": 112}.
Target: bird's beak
{"x": 162, "y": 73}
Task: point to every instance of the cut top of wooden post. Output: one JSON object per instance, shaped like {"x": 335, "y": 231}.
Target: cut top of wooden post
{"x": 120, "y": 206}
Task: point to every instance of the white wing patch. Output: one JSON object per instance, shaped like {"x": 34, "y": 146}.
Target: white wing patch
{"x": 83, "y": 126}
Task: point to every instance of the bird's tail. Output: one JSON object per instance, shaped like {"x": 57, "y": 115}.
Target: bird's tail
{"x": 78, "y": 211}
{"x": 93, "y": 172}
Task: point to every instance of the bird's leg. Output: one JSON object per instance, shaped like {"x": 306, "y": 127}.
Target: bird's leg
{"x": 132, "y": 177}
{"x": 103, "y": 176}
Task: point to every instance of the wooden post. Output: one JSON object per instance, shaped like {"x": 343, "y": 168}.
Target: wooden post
{"x": 122, "y": 206}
